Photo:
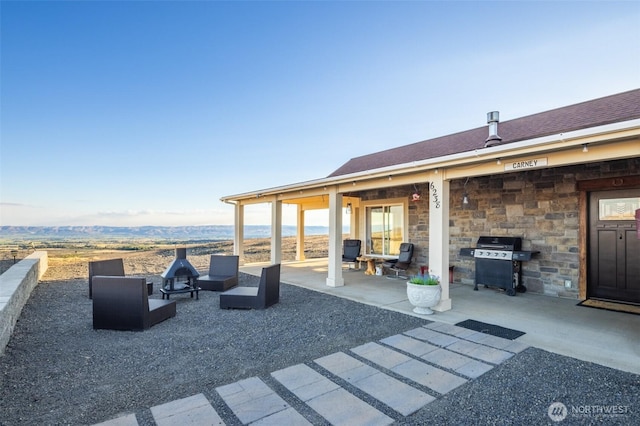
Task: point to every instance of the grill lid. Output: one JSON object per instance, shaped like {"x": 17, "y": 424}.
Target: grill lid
{"x": 500, "y": 243}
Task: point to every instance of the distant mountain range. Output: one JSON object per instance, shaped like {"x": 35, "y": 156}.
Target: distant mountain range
{"x": 192, "y": 233}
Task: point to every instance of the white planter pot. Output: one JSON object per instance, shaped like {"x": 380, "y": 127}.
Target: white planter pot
{"x": 423, "y": 297}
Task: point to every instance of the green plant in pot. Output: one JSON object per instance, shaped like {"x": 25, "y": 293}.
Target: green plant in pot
{"x": 425, "y": 280}
{"x": 423, "y": 292}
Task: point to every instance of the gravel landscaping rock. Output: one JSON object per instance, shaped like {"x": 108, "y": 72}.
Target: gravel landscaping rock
{"x": 58, "y": 370}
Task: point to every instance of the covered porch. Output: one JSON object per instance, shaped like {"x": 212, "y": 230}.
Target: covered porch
{"x": 539, "y": 183}
{"x": 553, "y": 324}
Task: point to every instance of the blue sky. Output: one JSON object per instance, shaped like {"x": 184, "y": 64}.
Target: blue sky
{"x": 130, "y": 113}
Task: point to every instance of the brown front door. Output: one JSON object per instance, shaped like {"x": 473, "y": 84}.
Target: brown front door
{"x": 614, "y": 246}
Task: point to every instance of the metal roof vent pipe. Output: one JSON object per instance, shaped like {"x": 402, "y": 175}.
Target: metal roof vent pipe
{"x": 493, "y": 118}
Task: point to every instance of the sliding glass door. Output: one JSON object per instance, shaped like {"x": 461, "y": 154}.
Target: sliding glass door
{"x": 385, "y": 229}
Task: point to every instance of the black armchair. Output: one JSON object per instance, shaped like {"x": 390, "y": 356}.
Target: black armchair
{"x": 111, "y": 268}
{"x": 402, "y": 263}
{"x": 351, "y": 252}
{"x": 122, "y": 303}
{"x": 266, "y": 294}
{"x": 223, "y": 273}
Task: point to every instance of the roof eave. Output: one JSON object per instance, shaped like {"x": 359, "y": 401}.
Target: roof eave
{"x": 568, "y": 139}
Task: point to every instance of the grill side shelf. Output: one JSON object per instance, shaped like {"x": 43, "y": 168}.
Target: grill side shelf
{"x": 467, "y": 252}
{"x": 524, "y": 255}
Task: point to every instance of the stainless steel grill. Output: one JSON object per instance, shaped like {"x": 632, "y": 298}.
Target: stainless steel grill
{"x": 499, "y": 263}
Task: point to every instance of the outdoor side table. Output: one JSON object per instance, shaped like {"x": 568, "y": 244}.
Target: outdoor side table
{"x": 371, "y": 264}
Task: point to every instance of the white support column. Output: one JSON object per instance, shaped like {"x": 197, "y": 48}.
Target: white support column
{"x": 300, "y": 234}
{"x": 238, "y": 232}
{"x": 439, "y": 235}
{"x": 334, "y": 277}
{"x": 276, "y": 231}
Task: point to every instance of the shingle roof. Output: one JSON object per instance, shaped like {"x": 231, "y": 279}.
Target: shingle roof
{"x": 610, "y": 109}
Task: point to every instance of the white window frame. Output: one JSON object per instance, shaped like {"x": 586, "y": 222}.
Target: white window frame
{"x": 366, "y": 205}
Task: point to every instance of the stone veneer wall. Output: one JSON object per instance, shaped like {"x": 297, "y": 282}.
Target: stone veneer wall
{"x": 541, "y": 206}
{"x": 16, "y": 285}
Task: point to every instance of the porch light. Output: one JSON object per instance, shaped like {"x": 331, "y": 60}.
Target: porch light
{"x": 348, "y": 210}
{"x": 585, "y": 148}
{"x": 499, "y": 161}
{"x": 416, "y": 194}
{"x": 465, "y": 196}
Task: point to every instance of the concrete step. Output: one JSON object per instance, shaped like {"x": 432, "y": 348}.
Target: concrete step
{"x": 403, "y": 373}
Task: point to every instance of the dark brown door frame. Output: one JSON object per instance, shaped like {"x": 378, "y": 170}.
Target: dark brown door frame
{"x": 584, "y": 187}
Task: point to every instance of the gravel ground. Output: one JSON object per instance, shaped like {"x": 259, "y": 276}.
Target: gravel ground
{"x": 58, "y": 370}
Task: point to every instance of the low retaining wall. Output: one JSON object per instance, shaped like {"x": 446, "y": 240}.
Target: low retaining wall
{"x": 16, "y": 285}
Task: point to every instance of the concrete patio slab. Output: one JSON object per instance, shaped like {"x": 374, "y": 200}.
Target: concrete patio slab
{"x": 251, "y": 399}
{"x": 194, "y": 410}
{"x": 394, "y": 393}
{"x": 328, "y": 399}
{"x": 128, "y": 420}
{"x": 554, "y": 324}
{"x": 434, "y": 378}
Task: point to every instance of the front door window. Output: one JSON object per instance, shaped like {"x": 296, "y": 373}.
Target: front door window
{"x": 618, "y": 208}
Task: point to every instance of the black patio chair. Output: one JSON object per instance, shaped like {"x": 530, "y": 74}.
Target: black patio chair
{"x": 351, "y": 252}
{"x": 266, "y": 294}
{"x": 402, "y": 263}
{"x": 112, "y": 268}
{"x": 122, "y": 303}
{"x": 223, "y": 273}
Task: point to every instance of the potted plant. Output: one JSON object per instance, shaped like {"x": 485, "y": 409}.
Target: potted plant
{"x": 423, "y": 292}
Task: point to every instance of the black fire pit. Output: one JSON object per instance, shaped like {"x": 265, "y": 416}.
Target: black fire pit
{"x": 499, "y": 263}
{"x": 180, "y": 276}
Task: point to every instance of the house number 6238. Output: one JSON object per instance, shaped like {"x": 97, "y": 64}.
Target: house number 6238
{"x": 434, "y": 194}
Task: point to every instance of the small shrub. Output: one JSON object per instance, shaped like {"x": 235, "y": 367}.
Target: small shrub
{"x": 425, "y": 280}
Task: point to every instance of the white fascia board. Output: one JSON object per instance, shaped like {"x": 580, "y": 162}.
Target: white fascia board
{"x": 432, "y": 163}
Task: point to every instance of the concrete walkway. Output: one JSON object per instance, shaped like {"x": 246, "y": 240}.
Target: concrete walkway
{"x": 395, "y": 370}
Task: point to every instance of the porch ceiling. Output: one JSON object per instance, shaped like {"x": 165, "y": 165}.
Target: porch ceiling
{"x": 318, "y": 202}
